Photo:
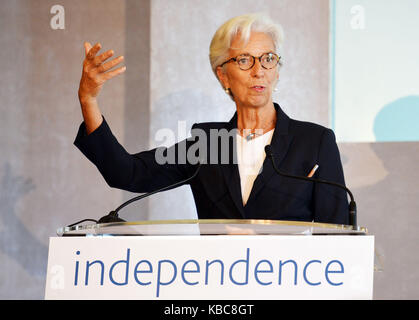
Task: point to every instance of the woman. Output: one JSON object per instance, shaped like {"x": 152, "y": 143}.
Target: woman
{"x": 244, "y": 55}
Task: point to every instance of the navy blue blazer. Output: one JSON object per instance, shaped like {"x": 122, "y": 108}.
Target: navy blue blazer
{"x": 297, "y": 146}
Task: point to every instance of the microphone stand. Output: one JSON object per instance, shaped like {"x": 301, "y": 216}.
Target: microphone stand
{"x": 113, "y": 215}
{"x": 352, "y": 204}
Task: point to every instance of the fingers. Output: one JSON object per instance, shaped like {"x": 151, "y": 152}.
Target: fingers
{"x": 87, "y": 47}
{"x": 94, "y": 68}
{"x": 102, "y": 57}
{"x": 91, "y": 53}
{"x": 109, "y": 65}
{"x": 113, "y": 73}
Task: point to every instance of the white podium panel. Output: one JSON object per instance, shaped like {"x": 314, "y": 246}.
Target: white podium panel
{"x": 220, "y": 267}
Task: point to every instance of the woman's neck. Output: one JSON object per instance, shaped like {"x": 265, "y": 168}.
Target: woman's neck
{"x": 256, "y": 120}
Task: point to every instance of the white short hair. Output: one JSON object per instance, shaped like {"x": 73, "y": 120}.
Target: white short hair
{"x": 243, "y": 26}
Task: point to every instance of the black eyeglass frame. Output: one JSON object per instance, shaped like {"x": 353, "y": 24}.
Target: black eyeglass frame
{"x": 254, "y": 60}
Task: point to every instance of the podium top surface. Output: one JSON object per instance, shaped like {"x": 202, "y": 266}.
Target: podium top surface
{"x": 210, "y": 227}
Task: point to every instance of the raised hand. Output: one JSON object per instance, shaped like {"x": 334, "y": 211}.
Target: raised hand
{"x": 96, "y": 70}
{"x": 95, "y": 73}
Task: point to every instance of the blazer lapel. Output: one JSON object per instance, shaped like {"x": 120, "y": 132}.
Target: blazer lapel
{"x": 281, "y": 140}
{"x": 231, "y": 170}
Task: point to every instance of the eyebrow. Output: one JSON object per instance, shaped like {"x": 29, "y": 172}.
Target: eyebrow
{"x": 247, "y": 53}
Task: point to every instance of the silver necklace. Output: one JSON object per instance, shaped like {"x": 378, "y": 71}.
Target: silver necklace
{"x": 252, "y": 136}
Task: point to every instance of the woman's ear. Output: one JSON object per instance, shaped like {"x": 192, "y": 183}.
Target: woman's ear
{"x": 223, "y": 77}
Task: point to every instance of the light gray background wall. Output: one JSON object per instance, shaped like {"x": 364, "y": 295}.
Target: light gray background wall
{"x": 46, "y": 183}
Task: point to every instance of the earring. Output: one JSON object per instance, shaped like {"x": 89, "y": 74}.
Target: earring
{"x": 227, "y": 90}
{"x": 276, "y": 89}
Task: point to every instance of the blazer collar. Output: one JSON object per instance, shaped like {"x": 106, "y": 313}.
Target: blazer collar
{"x": 280, "y": 143}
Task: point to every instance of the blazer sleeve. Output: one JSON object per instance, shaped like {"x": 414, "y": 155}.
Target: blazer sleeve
{"x": 330, "y": 202}
{"x": 138, "y": 172}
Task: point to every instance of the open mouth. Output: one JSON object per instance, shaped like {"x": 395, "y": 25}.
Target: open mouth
{"x": 258, "y": 88}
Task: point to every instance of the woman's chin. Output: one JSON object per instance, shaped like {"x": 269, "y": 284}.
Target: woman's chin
{"x": 257, "y": 102}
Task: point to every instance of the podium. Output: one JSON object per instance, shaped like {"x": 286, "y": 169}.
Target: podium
{"x": 210, "y": 259}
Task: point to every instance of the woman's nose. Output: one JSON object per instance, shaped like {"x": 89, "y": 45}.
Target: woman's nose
{"x": 257, "y": 69}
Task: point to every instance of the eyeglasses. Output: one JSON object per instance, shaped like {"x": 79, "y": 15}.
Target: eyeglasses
{"x": 246, "y": 61}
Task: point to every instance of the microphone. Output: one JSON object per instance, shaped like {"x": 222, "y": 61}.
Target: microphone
{"x": 113, "y": 215}
{"x": 352, "y": 204}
